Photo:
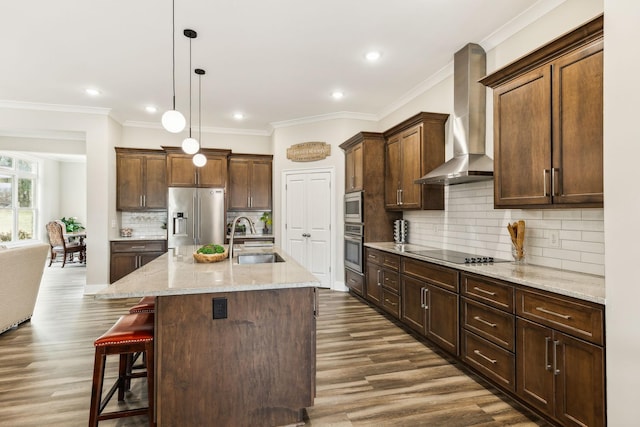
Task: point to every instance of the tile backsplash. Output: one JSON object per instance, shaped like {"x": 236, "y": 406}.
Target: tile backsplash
{"x": 567, "y": 239}
{"x": 145, "y": 224}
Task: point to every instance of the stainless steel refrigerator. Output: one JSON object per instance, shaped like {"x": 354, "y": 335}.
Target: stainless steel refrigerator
{"x": 196, "y": 216}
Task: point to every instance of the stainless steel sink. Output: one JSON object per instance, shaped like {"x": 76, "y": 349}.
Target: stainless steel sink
{"x": 259, "y": 258}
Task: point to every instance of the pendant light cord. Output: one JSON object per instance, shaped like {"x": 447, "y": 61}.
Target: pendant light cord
{"x": 200, "y": 109}
{"x": 173, "y": 36}
{"x": 190, "y": 87}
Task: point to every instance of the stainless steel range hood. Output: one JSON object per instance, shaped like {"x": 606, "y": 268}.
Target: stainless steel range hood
{"x": 470, "y": 162}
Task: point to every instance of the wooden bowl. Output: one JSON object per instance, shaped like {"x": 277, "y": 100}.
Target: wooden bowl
{"x": 208, "y": 258}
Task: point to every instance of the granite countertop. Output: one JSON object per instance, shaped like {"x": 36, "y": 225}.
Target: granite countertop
{"x": 134, "y": 238}
{"x": 578, "y": 285}
{"x": 176, "y": 273}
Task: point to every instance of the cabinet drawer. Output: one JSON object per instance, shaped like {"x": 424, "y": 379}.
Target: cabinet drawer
{"x": 391, "y": 303}
{"x": 496, "y": 294}
{"x": 355, "y": 281}
{"x": 491, "y": 324}
{"x": 139, "y": 246}
{"x": 489, "y": 359}
{"x": 387, "y": 260}
{"x": 391, "y": 281}
{"x": 444, "y": 277}
{"x": 578, "y": 318}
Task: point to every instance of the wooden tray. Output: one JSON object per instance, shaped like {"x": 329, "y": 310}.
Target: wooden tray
{"x": 207, "y": 258}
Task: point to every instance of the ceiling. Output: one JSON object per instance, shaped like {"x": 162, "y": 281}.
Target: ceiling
{"x": 274, "y": 60}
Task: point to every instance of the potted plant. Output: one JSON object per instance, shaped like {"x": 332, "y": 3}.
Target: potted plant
{"x": 266, "y": 219}
{"x": 71, "y": 224}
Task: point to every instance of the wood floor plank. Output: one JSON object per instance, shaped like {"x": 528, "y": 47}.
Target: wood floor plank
{"x": 370, "y": 372}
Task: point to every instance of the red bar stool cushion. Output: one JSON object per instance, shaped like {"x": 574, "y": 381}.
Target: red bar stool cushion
{"x": 130, "y": 328}
{"x": 145, "y": 305}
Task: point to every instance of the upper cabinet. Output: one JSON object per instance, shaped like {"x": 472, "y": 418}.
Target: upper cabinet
{"x": 250, "y": 182}
{"x": 413, "y": 148}
{"x": 141, "y": 179}
{"x": 181, "y": 172}
{"x": 548, "y": 124}
{"x": 353, "y": 168}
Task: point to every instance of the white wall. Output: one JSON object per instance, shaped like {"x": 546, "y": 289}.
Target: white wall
{"x": 72, "y": 191}
{"x": 622, "y": 205}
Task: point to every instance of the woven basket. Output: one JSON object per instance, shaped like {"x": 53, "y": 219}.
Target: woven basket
{"x": 205, "y": 258}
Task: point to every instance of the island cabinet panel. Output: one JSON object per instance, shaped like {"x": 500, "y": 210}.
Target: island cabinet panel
{"x": 548, "y": 124}
{"x": 254, "y": 367}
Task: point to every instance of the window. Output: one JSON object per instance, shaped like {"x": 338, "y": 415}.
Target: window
{"x": 18, "y": 210}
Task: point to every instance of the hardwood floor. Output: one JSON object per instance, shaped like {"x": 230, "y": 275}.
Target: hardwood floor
{"x": 369, "y": 371}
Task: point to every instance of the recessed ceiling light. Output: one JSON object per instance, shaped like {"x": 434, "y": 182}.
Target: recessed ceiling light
{"x": 337, "y": 94}
{"x": 238, "y": 116}
{"x": 373, "y": 56}
{"x": 150, "y": 109}
{"x": 92, "y": 92}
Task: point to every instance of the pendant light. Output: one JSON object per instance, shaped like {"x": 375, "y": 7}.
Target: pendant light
{"x": 199, "y": 159}
{"x": 190, "y": 145}
{"x": 173, "y": 120}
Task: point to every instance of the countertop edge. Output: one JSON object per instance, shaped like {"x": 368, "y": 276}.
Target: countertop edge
{"x": 582, "y": 286}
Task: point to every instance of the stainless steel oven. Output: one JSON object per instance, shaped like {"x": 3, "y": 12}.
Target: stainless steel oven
{"x": 353, "y": 207}
{"x": 354, "y": 247}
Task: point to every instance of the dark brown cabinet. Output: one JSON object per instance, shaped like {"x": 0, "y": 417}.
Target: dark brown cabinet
{"x": 181, "y": 172}
{"x": 141, "y": 179}
{"x": 429, "y": 302}
{"x": 412, "y": 149}
{"x": 353, "y": 179}
{"x": 250, "y": 183}
{"x": 548, "y": 124}
{"x": 382, "y": 280}
{"x": 558, "y": 373}
{"x": 127, "y": 256}
{"x": 488, "y": 328}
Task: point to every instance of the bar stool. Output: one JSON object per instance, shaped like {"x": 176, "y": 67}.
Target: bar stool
{"x": 132, "y": 333}
{"x": 145, "y": 305}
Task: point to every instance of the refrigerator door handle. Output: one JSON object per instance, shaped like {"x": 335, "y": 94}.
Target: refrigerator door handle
{"x": 194, "y": 219}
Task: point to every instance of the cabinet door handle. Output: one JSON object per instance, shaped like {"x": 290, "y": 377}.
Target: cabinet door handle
{"x": 389, "y": 302}
{"x": 545, "y": 173}
{"x": 144, "y": 200}
{"x": 141, "y": 201}
{"x": 492, "y": 361}
{"x": 553, "y": 313}
{"x": 556, "y": 371}
{"x": 484, "y": 291}
{"x": 422, "y": 302}
{"x": 400, "y": 197}
{"x": 426, "y": 306}
{"x": 379, "y": 284}
{"x": 554, "y": 178}
{"x": 547, "y": 366}
{"x": 138, "y": 247}
{"x": 481, "y": 320}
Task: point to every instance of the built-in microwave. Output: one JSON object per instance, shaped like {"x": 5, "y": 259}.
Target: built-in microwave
{"x": 353, "y": 207}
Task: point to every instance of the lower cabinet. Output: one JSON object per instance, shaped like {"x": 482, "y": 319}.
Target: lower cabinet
{"x": 545, "y": 349}
{"x": 560, "y": 363}
{"x": 354, "y": 281}
{"x": 427, "y": 307}
{"x": 129, "y": 256}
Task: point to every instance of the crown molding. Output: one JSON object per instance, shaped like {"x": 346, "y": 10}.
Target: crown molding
{"x": 19, "y": 105}
{"x": 324, "y": 117}
{"x": 207, "y": 129}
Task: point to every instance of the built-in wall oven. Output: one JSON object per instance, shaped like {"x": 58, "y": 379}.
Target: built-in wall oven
{"x": 353, "y": 207}
{"x": 354, "y": 247}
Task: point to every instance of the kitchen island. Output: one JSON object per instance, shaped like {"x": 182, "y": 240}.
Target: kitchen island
{"x": 234, "y": 344}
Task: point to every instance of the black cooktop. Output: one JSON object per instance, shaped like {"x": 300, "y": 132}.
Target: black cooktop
{"x": 457, "y": 257}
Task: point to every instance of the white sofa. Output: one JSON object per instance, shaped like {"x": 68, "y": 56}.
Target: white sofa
{"x": 21, "y": 269}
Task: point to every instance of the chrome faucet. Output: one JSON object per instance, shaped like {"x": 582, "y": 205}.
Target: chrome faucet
{"x": 233, "y": 231}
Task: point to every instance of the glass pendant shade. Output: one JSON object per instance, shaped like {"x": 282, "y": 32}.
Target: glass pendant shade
{"x": 199, "y": 160}
{"x": 190, "y": 145}
{"x": 173, "y": 121}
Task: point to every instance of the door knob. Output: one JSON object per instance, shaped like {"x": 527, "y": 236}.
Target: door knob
{"x": 306, "y": 235}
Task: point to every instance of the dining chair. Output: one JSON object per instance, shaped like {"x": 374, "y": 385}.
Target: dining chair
{"x": 59, "y": 245}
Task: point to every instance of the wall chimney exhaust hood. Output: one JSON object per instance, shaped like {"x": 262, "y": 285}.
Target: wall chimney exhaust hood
{"x": 470, "y": 162}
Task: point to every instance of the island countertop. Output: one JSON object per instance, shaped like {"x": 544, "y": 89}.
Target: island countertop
{"x": 176, "y": 273}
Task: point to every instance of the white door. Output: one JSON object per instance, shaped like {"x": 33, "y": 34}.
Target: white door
{"x": 308, "y": 222}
